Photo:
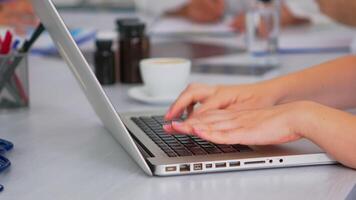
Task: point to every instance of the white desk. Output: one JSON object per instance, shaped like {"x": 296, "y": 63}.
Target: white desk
{"x": 63, "y": 152}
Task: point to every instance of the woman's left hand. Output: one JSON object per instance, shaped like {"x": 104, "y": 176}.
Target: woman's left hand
{"x": 274, "y": 125}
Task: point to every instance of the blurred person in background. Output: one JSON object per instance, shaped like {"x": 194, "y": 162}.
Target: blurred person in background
{"x": 293, "y": 12}
{"x": 17, "y": 14}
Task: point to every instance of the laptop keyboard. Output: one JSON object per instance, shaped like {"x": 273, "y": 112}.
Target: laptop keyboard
{"x": 182, "y": 145}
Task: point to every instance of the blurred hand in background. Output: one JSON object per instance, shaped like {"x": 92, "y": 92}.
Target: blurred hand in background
{"x": 202, "y": 11}
{"x": 17, "y": 14}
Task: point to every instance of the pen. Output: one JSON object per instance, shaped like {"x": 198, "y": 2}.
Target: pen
{"x": 10, "y": 69}
{"x": 5, "y": 50}
{"x": 28, "y": 43}
{"x": 17, "y": 80}
{"x": 15, "y": 44}
{"x": 6, "y": 44}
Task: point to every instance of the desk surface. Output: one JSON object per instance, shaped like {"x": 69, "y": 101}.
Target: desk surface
{"x": 63, "y": 152}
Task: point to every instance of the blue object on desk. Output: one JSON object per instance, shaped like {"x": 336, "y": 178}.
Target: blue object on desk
{"x": 6, "y": 145}
{"x": 79, "y": 37}
{"x": 4, "y": 163}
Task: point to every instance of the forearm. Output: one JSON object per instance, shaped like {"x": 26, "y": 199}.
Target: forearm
{"x": 332, "y": 83}
{"x": 158, "y": 7}
{"x": 331, "y": 129}
{"x": 342, "y": 11}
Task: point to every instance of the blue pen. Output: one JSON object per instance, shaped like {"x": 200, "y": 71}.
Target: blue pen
{"x": 15, "y": 44}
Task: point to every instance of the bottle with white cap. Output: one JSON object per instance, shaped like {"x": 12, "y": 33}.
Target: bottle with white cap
{"x": 104, "y": 60}
{"x": 262, "y": 31}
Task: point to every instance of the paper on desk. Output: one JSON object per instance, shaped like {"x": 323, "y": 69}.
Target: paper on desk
{"x": 176, "y": 25}
{"x": 317, "y": 37}
{"x": 44, "y": 45}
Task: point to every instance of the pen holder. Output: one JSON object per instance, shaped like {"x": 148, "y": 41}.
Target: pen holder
{"x": 14, "y": 82}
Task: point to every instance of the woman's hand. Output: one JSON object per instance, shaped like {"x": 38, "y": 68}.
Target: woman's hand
{"x": 202, "y": 11}
{"x": 234, "y": 97}
{"x": 274, "y": 125}
{"x": 17, "y": 14}
{"x": 331, "y": 129}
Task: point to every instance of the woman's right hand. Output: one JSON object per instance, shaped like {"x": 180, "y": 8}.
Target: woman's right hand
{"x": 237, "y": 97}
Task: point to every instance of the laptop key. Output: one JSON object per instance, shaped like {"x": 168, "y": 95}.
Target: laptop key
{"x": 176, "y": 146}
{"x": 198, "y": 151}
{"x": 228, "y": 150}
{"x": 181, "y": 136}
{"x": 181, "y": 145}
{"x": 171, "y": 154}
{"x": 183, "y": 153}
{"x": 207, "y": 146}
{"x": 212, "y": 150}
{"x": 191, "y": 145}
{"x": 242, "y": 148}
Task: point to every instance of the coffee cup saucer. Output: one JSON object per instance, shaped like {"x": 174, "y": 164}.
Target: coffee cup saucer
{"x": 139, "y": 93}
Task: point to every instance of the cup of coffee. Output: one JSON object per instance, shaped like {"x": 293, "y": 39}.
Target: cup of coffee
{"x": 165, "y": 77}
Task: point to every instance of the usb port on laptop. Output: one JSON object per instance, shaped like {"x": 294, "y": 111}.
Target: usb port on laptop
{"x": 220, "y": 165}
{"x": 198, "y": 166}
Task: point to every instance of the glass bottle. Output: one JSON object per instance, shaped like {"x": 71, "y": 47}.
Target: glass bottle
{"x": 119, "y": 23}
{"x": 104, "y": 62}
{"x": 134, "y": 46}
{"x": 262, "y": 31}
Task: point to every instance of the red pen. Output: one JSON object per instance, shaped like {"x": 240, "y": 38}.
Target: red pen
{"x": 4, "y": 50}
{"x": 0, "y": 43}
{"x": 6, "y": 44}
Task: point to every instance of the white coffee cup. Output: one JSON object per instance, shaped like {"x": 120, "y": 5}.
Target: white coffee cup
{"x": 165, "y": 77}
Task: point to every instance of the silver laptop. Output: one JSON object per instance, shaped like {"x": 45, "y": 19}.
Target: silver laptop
{"x": 143, "y": 138}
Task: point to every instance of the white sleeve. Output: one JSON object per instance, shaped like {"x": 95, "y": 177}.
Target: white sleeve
{"x": 353, "y": 46}
{"x": 158, "y": 7}
{"x": 236, "y": 6}
{"x": 307, "y": 8}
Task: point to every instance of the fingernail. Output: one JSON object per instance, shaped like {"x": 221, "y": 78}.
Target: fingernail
{"x": 177, "y": 124}
{"x": 166, "y": 126}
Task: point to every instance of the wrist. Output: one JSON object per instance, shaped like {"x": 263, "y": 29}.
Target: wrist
{"x": 305, "y": 124}
{"x": 275, "y": 91}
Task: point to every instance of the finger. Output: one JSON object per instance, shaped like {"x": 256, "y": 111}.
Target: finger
{"x": 189, "y": 97}
{"x": 183, "y": 128}
{"x": 190, "y": 110}
{"x": 212, "y": 103}
{"x": 215, "y": 137}
{"x": 215, "y": 116}
{"x": 245, "y": 106}
{"x": 225, "y": 125}
{"x": 168, "y": 128}
{"x": 236, "y": 136}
